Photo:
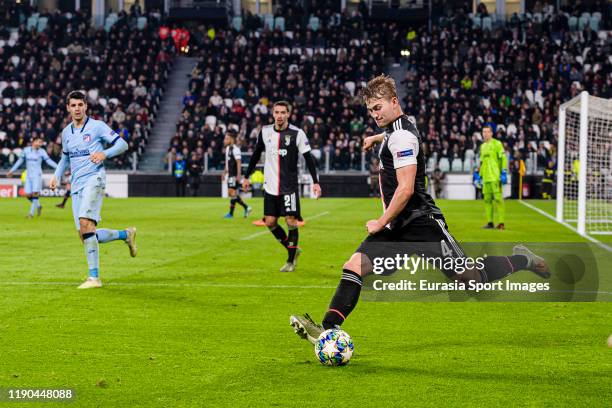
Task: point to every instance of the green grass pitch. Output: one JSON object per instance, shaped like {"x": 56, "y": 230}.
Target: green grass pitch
{"x": 200, "y": 317}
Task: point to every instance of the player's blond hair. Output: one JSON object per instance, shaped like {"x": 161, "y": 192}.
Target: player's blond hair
{"x": 379, "y": 87}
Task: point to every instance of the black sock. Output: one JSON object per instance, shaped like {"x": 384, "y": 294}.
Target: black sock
{"x": 232, "y": 205}
{"x": 498, "y": 267}
{"x": 242, "y": 203}
{"x": 344, "y": 300}
{"x": 292, "y": 242}
{"x": 279, "y": 234}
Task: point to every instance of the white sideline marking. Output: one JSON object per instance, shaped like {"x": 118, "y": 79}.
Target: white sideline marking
{"x": 172, "y": 284}
{"x": 544, "y": 213}
{"x": 257, "y": 234}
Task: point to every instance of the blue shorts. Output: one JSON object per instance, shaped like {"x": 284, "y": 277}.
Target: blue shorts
{"x": 87, "y": 202}
{"x": 33, "y": 185}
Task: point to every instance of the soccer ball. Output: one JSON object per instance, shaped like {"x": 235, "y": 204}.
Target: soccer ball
{"x": 334, "y": 347}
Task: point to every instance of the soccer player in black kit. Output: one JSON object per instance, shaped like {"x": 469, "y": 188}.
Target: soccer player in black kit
{"x": 410, "y": 223}
{"x": 283, "y": 143}
{"x": 233, "y": 163}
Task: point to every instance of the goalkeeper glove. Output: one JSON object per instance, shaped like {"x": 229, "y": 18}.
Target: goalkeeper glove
{"x": 477, "y": 180}
{"x": 504, "y": 177}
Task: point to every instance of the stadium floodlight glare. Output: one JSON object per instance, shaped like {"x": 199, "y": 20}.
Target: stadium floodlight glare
{"x": 584, "y": 164}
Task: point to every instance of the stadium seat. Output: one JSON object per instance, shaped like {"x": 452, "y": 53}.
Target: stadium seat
{"x": 476, "y": 22}
{"x": 538, "y": 17}
{"x": 431, "y": 165}
{"x": 597, "y": 14}
{"x": 269, "y": 21}
{"x": 32, "y": 22}
{"x": 594, "y": 23}
{"x": 573, "y": 23}
{"x": 42, "y": 24}
{"x": 350, "y": 86}
{"x": 487, "y": 23}
{"x": 19, "y": 101}
{"x": 7, "y": 101}
{"x": 313, "y": 23}
{"x": 457, "y": 165}
{"x": 31, "y": 101}
{"x": 42, "y": 102}
{"x": 103, "y": 102}
{"x": 444, "y": 165}
{"x": 237, "y": 23}
{"x": 92, "y": 95}
{"x": 583, "y": 22}
{"x": 211, "y": 121}
{"x": 15, "y": 60}
{"x": 279, "y": 23}
{"x": 228, "y": 102}
{"x": 141, "y": 23}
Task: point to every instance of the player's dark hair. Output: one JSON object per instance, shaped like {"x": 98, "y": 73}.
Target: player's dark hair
{"x": 382, "y": 86}
{"x": 286, "y": 104}
{"x": 231, "y": 133}
{"x": 80, "y": 95}
{"x": 488, "y": 127}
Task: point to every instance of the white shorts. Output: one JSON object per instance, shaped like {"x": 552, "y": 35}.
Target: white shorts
{"x": 87, "y": 202}
{"x": 33, "y": 185}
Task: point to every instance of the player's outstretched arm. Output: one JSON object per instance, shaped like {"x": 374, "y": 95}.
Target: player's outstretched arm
{"x": 48, "y": 160}
{"x": 17, "y": 164}
{"x": 370, "y": 141}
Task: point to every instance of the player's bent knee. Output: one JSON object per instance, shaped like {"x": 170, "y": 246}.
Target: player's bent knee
{"x": 87, "y": 225}
{"x": 271, "y": 222}
{"x": 358, "y": 263}
{"x": 291, "y": 221}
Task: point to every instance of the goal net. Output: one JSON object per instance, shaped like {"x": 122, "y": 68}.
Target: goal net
{"x": 584, "y": 164}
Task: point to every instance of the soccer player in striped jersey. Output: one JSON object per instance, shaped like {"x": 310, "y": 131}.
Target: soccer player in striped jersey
{"x": 411, "y": 223}
{"x": 83, "y": 149}
{"x": 33, "y": 156}
{"x": 283, "y": 143}
{"x": 233, "y": 163}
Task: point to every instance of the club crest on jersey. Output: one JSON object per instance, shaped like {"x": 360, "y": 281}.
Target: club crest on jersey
{"x": 405, "y": 153}
{"x": 287, "y": 140}
{"x": 87, "y": 138}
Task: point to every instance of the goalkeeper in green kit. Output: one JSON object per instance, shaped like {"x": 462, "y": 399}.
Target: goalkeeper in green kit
{"x": 492, "y": 175}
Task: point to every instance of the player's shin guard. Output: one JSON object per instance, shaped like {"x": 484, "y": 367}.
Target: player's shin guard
{"x": 344, "y": 300}
{"x": 292, "y": 244}
{"x": 92, "y": 253}
{"x": 108, "y": 235}
{"x": 280, "y": 235}
{"x": 498, "y": 267}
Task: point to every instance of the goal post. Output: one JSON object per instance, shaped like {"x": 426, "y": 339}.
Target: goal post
{"x": 584, "y": 164}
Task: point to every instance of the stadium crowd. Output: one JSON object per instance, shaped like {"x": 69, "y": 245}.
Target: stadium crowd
{"x": 240, "y": 73}
{"x": 123, "y": 71}
{"x": 459, "y": 78}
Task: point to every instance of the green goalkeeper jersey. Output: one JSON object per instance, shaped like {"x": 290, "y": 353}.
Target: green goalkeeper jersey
{"x": 492, "y": 160}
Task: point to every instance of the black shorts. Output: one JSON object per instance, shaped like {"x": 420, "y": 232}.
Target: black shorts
{"x": 232, "y": 182}
{"x": 282, "y": 205}
{"x": 424, "y": 236}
